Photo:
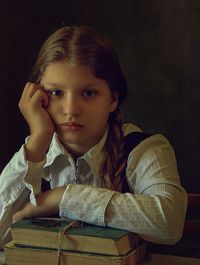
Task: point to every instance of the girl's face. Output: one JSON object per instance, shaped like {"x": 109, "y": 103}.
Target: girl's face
{"x": 79, "y": 104}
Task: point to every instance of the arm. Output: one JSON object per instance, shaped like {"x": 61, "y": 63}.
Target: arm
{"x": 19, "y": 183}
{"x": 47, "y": 205}
{"x": 160, "y": 200}
{"x": 14, "y": 192}
{"x": 156, "y": 210}
{"x": 33, "y": 105}
{"x": 6, "y": 215}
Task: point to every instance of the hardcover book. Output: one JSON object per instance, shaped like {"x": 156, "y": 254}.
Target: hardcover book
{"x": 44, "y": 233}
{"x": 32, "y": 255}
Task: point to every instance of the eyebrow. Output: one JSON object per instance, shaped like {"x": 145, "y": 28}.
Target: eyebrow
{"x": 51, "y": 84}
{"x": 57, "y": 85}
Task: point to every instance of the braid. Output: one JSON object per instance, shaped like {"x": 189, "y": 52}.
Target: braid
{"x": 115, "y": 162}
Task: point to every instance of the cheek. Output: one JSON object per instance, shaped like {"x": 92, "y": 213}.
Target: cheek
{"x": 101, "y": 116}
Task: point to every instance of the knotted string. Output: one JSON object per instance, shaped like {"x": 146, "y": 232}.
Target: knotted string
{"x": 61, "y": 235}
{"x": 73, "y": 224}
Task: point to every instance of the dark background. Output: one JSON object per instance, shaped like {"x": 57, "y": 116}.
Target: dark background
{"x": 159, "y": 46}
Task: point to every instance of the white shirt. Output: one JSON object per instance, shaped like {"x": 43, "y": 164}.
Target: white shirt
{"x": 155, "y": 210}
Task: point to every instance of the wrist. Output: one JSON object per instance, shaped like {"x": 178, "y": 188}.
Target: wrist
{"x": 37, "y": 147}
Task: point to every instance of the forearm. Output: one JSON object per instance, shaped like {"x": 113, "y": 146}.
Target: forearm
{"x": 47, "y": 204}
{"x": 37, "y": 146}
{"x": 18, "y": 173}
{"x": 33, "y": 178}
{"x": 6, "y": 215}
{"x": 157, "y": 217}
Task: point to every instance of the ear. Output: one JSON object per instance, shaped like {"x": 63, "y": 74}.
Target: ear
{"x": 114, "y": 103}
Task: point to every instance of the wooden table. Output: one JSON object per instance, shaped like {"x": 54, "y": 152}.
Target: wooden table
{"x": 156, "y": 259}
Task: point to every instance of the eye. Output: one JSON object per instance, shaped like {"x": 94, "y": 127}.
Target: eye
{"x": 55, "y": 92}
{"x": 89, "y": 93}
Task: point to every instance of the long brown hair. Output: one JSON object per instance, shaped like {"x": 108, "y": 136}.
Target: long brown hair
{"x": 84, "y": 45}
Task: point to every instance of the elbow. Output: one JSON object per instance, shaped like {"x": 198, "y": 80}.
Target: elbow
{"x": 168, "y": 236}
{"x": 175, "y": 221}
{"x": 172, "y": 236}
{"x": 169, "y": 229}
{"x": 172, "y": 231}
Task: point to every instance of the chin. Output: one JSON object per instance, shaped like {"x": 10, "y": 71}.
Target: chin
{"x": 70, "y": 140}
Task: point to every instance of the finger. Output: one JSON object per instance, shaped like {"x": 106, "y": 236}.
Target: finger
{"x": 29, "y": 90}
{"x": 40, "y": 97}
{"x": 45, "y": 98}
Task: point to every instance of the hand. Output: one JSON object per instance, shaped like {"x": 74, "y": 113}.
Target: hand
{"x": 47, "y": 204}
{"x": 33, "y": 104}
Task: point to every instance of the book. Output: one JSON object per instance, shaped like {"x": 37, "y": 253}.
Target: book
{"x": 15, "y": 255}
{"x": 43, "y": 232}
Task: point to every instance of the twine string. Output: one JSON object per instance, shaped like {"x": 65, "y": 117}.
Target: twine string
{"x": 61, "y": 235}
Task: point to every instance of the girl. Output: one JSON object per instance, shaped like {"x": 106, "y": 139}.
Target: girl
{"x": 76, "y": 143}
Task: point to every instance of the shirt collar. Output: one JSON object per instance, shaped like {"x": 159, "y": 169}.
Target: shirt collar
{"x": 55, "y": 149}
{"x": 95, "y": 157}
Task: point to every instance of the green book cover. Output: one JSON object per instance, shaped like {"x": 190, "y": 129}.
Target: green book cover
{"x": 55, "y": 225}
{"x": 44, "y": 232}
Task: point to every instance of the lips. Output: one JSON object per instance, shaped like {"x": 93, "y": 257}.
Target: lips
{"x": 71, "y": 126}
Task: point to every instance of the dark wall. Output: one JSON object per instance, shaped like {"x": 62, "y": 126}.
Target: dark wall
{"x": 158, "y": 43}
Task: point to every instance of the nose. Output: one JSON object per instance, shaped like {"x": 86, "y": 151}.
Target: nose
{"x": 70, "y": 106}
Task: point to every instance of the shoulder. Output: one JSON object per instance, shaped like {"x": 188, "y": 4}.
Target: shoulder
{"x": 153, "y": 148}
{"x": 129, "y": 128}
{"x": 151, "y": 162}
{"x": 153, "y": 140}
{"x": 152, "y": 153}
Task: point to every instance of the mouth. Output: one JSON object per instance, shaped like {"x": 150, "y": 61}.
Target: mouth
{"x": 71, "y": 126}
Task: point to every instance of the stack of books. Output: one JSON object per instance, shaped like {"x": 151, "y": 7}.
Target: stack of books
{"x": 35, "y": 241}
